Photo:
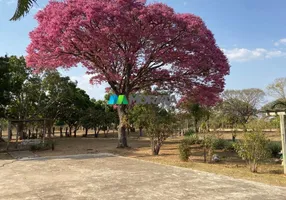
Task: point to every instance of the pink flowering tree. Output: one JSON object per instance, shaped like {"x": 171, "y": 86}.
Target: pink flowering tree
{"x": 131, "y": 46}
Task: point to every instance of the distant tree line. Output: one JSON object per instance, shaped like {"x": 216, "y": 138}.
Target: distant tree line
{"x": 25, "y": 95}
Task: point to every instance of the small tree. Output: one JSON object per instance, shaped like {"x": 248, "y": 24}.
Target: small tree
{"x": 253, "y": 148}
{"x": 239, "y": 106}
{"x": 158, "y": 122}
{"x": 208, "y": 142}
{"x": 185, "y": 149}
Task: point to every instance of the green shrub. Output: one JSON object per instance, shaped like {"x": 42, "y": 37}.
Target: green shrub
{"x": 185, "y": 149}
{"x": 193, "y": 139}
{"x": 189, "y": 132}
{"x": 47, "y": 145}
{"x": 220, "y": 144}
{"x": 35, "y": 147}
{"x": 275, "y": 148}
{"x": 230, "y": 146}
{"x": 208, "y": 145}
{"x": 253, "y": 149}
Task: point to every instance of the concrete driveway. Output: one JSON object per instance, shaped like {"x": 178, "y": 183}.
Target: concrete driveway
{"x": 105, "y": 176}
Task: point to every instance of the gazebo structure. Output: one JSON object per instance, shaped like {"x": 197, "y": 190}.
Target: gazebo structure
{"x": 42, "y": 123}
{"x": 281, "y": 114}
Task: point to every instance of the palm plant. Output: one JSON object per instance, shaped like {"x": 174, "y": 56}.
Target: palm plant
{"x": 23, "y": 8}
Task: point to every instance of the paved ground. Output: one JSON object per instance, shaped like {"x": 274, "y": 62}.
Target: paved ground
{"x": 104, "y": 176}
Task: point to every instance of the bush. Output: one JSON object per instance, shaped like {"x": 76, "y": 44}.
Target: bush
{"x": 253, "y": 148}
{"x": 220, "y": 144}
{"x": 208, "y": 144}
{"x": 35, "y": 147}
{"x": 189, "y": 132}
{"x": 193, "y": 139}
{"x": 275, "y": 148}
{"x": 185, "y": 149}
{"x": 230, "y": 146}
{"x": 47, "y": 145}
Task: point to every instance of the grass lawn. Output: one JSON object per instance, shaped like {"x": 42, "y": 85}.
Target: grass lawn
{"x": 231, "y": 164}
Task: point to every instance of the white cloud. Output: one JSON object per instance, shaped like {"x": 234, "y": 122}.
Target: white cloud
{"x": 94, "y": 91}
{"x": 243, "y": 55}
{"x": 281, "y": 41}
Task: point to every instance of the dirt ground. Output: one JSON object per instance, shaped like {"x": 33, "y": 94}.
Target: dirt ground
{"x": 104, "y": 176}
{"x": 231, "y": 164}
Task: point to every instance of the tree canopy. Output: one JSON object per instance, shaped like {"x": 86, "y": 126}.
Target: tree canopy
{"x": 277, "y": 89}
{"x": 130, "y": 45}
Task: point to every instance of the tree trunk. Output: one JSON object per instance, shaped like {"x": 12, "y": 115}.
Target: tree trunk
{"x": 0, "y": 131}
{"x": 253, "y": 166}
{"x": 95, "y": 134}
{"x": 20, "y": 129}
{"x": 49, "y": 131}
{"x": 49, "y": 126}
{"x": 210, "y": 155}
{"x": 122, "y": 139}
{"x": 66, "y": 131}
{"x": 54, "y": 129}
{"x": 86, "y": 132}
{"x": 155, "y": 146}
{"x": 70, "y": 131}
{"x": 233, "y": 138}
{"x": 196, "y": 126}
{"x": 205, "y": 154}
{"x": 156, "y": 149}
{"x": 74, "y": 132}
{"x": 61, "y": 132}
{"x": 152, "y": 145}
{"x": 10, "y": 136}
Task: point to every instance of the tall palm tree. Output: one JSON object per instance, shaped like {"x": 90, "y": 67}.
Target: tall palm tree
{"x": 23, "y": 8}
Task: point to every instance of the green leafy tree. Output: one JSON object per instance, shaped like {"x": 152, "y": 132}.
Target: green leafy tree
{"x": 25, "y": 92}
{"x": 99, "y": 116}
{"x": 5, "y": 84}
{"x": 208, "y": 142}
{"x": 253, "y": 148}
{"x": 158, "y": 123}
{"x": 241, "y": 105}
{"x": 277, "y": 89}
{"x": 278, "y": 104}
{"x": 57, "y": 97}
{"x": 75, "y": 107}
{"x": 196, "y": 112}
{"x": 185, "y": 149}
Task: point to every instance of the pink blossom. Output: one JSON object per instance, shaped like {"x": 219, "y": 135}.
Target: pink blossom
{"x": 131, "y": 46}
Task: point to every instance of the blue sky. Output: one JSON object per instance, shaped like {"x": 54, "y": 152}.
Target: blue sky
{"x": 251, "y": 33}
